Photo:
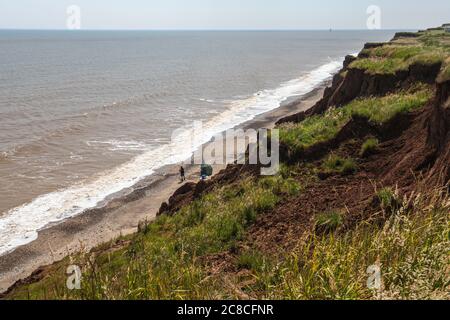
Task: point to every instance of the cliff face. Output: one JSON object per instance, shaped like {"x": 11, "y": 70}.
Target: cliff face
{"x": 193, "y": 191}
{"x": 422, "y": 138}
{"x": 414, "y": 146}
{"x": 359, "y": 83}
{"x": 438, "y": 132}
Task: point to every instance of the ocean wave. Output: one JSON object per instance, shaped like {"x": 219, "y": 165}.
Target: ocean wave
{"x": 119, "y": 145}
{"x": 207, "y": 100}
{"x": 20, "y": 225}
{"x": 5, "y": 155}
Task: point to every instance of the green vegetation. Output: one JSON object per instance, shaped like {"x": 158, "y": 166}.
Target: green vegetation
{"x": 411, "y": 249}
{"x": 337, "y": 164}
{"x": 329, "y": 221}
{"x": 280, "y": 185}
{"x": 321, "y": 128}
{"x": 429, "y": 48}
{"x": 380, "y": 66}
{"x": 389, "y": 59}
{"x": 253, "y": 260}
{"x": 444, "y": 75}
{"x": 369, "y": 147}
{"x": 435, "y": 38}
{"x": 388, "y": 199}
{"x": 162, "y": 262}
{"x": 381, "y": 110}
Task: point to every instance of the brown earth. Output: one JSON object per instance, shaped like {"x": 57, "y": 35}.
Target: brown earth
{"x": 414, "y": 147}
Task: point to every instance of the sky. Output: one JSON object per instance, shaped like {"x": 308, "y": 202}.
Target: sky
{"x": 223, "y": 14}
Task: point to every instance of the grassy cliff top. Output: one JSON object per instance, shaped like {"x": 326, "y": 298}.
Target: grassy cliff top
{"x": 422, "y": 48}
{"x": 378, "y": 110}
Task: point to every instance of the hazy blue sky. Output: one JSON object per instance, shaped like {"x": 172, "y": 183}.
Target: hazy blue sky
{"x": 223, "y": 14}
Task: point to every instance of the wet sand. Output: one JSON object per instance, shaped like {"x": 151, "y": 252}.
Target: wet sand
{"x": 121, "y": 215}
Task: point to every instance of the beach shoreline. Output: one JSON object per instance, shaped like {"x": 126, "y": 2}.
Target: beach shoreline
{"x": 122, "y": 214}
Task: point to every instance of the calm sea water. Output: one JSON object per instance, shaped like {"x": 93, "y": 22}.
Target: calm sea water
{"x": 86, "y": 114}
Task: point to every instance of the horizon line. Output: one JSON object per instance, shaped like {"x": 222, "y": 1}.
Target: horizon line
{"x": 199, "y": 29}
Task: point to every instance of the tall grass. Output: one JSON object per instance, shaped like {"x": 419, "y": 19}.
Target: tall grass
{"x": 390, "y": 58}
{"x": 411, "y": 249}
{"x": 380, "y": 66}
{"x": 328, "y": 221}
{"x": 325, "y": 127}
{"x": 444, "y": 75}
{"x": 164, "y": 261}
{"x": 369, "y": 147}
{"x": 168, "y": 262}
{"x": 312, "y": 130}
{"x": 337, "y": 164}
{"x": 381, "y": 110}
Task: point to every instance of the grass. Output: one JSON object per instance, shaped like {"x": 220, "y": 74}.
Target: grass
{"x": 431, "y": 47}
{"x": 369, "y": 147}
{"x": 163, "y": 262}
{"x": 321, "y": 128}
{"x": 328, "y": 221}
{"x": 252, "y": 260}
{"x": 388, "y": 198}
{"x": 381, "y": 110}
{"x": 444, "y": 75}
{"x": 312, "y": 130}
{"x": 380, "y": 66}
{"x": 411, "y": 249}
{"x": 435, "y": 38}
{"x": 281, "y": 185}
{"x": 337, "y": 164}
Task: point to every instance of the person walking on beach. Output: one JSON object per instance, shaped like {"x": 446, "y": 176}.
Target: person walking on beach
{"x": 182, "y": 176}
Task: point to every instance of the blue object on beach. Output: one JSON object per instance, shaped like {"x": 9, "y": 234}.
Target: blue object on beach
{"x": 206, "y": 170}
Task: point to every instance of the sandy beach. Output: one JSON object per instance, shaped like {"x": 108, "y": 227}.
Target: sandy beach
{"x": 121, "y": 215}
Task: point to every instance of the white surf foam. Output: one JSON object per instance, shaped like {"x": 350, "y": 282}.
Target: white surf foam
{"x": 20, "y": 225}
{"x": 119, "y": 145}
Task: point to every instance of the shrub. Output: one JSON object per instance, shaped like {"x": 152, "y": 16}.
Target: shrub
{"x": 292, "y": 187}
{"x": 312, "y": 130}
{"x": 388, "y": 199}
{"x": 369, "y": 147}
{"x": 444, "y": 75}
{"x": 381, "y": 110}
{"x": 378, "y": 110}
{"x": 349, "y": 167}
{"x": 280, "y": 185}
{"x": 328, "y": 221}
{"x": 380, "y": 66}
{"x": 335, "y": 163}
{"x": 249, "y": 215}
{"x": 251, "y": 260}
{"x": 391, "y": 58}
